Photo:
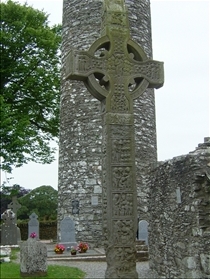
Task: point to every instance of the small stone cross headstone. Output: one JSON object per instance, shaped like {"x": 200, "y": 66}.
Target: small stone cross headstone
{"x": 33, "y": 225}
{"x": 67, "y": 229}
{"x": 143, "y": 231}
{"x": 33, "y": 258}
{"x": 10, "y": 233}
{"x": 14, "y": 206}
{"x": 116, "y": 71}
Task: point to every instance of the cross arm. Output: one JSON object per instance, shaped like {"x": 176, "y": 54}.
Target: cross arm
{"x": 152, "y": 71}
{"x": 81, "y": 64}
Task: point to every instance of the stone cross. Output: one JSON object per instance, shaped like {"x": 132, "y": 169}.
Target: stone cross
{"x": 116, "y": 71}
{"x": 14, "y": 206}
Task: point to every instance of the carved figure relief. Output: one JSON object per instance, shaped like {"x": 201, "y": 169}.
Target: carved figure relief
{"x": 123, "y": 233}
{"x": 118, "y": 132}
{"x": 121, "y": 151}
{"x": 119, "y": 102}
{"x": 122, "y": 179}
{"x": 124, "y": 258}
{"x": 83, "y": 63}
{"x": 122, "y": 204}
{"x": 118, "y": 66}
{"x": 117, "y": 18}
{"x": 115, "y": 64}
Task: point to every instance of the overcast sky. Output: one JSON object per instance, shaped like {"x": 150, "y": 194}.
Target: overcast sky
{"x": 180, "y": 32}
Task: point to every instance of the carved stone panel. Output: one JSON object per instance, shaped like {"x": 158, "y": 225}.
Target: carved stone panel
{"x": 121, "y": 151}
{"x": 123, "y": 234}
{"x": 122, "y": 204}
{"x": 122, "y": 178}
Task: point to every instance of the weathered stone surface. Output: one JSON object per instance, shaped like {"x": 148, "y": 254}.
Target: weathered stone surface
{"x": 116, "y": 70}
{"x": 10, "y": 233}
{"x": 181, "y": 237}
{"x": 67, "y": 237}
{"x": 81, "y": 125}
{"x": 33, "y": 258}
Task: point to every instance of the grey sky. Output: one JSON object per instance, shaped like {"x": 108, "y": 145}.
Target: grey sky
{"x": 180, "y": 32}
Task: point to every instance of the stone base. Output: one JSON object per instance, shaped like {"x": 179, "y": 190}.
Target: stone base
{"x": 34, "y": 274}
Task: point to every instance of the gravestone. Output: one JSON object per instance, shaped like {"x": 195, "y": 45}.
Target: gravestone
{"x": 33, "y": 258}
{"x": 14, "y": 206}
{"x": 143, "y": 231}
{"x": 116, "y": 70}
{"x": 33, "y": 225}
{"x": 10, "y": 233}
{"x": 68, "y": 232}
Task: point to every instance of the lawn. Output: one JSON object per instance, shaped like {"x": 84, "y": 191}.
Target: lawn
{"x": 12, "y": 270}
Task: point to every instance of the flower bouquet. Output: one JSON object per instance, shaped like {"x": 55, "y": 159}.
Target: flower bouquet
{"x": 74, "y": 250}
{"x": 59, "y": 249}
{"x": 33, "y": 235}
{"x": 83, "y": 247}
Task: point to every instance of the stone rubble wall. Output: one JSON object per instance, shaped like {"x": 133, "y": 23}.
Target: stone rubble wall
{"x": 81, "y": 122}
{"x": 179, "y": 230}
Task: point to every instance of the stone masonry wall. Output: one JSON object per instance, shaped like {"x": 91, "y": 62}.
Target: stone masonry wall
{"x": 179, "y": 234}
{"x": 80, "y": 118}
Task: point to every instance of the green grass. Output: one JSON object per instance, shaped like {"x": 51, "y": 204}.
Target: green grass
{"x": 14, "y": 252}
{"x": 12, "y": 270}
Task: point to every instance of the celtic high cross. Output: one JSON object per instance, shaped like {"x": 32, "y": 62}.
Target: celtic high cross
{"x": 116, "y": 71}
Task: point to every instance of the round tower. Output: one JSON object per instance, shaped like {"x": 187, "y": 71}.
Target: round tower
{"x": 80, "y": 189}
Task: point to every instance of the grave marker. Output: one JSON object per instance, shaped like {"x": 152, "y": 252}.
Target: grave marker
{"x": 33, "y": 258}
{"x": 14, "y": 206}
{"x": 33, "y": 225}
{"x": 143, "y": 231}
{"x": 67, "y": 232}
{"x": 10, "y": 233}
{"x": 119, "y": 73}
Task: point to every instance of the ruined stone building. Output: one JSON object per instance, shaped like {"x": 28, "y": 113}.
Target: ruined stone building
{"x": 179, "y": 207}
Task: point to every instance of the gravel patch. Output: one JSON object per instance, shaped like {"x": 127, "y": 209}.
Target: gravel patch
{"x": 96, "y": 270}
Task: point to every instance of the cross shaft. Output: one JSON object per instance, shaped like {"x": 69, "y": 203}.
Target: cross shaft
{"x": 116, "y": 70}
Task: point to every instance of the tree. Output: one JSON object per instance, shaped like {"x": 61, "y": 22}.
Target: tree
{"x": 30, "y": 79}
{"x": 7, "y": 192}
{"x": 42, "y": 201}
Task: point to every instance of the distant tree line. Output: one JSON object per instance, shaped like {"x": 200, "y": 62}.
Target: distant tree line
{"x": 41, "y": 200}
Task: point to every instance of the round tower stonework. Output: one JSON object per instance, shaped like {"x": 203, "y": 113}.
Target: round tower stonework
{"x": 80, "y": 185}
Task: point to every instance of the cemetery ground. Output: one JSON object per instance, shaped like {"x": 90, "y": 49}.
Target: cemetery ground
{"x": 87, "y": 266}
{"x": 12, "y": 269}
